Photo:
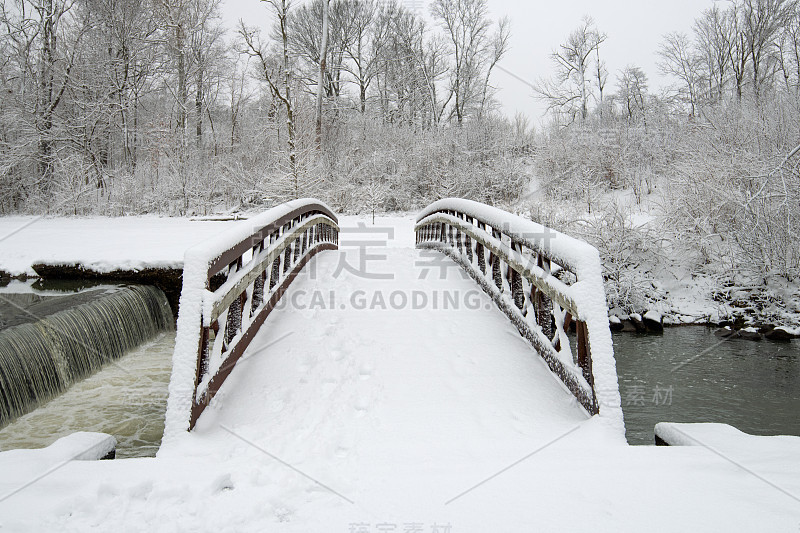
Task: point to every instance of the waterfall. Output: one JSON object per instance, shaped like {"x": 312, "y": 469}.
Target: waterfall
{"x": 41, "y": 358}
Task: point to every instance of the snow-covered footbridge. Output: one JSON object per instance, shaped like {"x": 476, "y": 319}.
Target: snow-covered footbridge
{"x": 414, "y": 322}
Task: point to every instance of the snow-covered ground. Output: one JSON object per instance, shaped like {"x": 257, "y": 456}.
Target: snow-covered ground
{"x": 356, "y": 412}
{"x": 99, "y": 243}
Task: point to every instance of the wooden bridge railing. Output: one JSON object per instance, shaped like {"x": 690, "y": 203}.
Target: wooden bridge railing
{"x": 230, "y": 285}
{"x": 544, "y": 282}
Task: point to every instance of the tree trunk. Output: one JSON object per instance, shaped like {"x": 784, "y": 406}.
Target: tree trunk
{"x": 198, "y": 106}
{"x": 323, "y": 56}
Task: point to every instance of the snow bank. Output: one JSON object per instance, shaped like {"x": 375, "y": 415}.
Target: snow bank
{"x": 724, "y": 437}
{"x": 100, "y": 244}
{"x": 195, "y": 277}
{"x": 80, "y": 446}
{"x": 584, "y": 261}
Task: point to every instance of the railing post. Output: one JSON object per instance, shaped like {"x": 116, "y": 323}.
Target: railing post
{"x": 287, "y": 259}
{"x": 584, "y": 353}
{"x": 515, "y": 281}
{"x": 258, "y": 285}
{"x": 544, "y": 306}
{"x": 479, "y": 251}
{"x": 497, "y": 276}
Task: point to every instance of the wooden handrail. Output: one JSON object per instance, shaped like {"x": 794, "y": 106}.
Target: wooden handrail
{"x": 544, "y": 281}
{"x": 230, "y": 286}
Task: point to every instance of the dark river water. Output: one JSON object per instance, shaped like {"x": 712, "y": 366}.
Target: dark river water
{"x": 689, "y": 375}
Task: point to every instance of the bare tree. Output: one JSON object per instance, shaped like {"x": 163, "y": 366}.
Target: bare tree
{"x": 632, "y": 83}
{"x": 678, "y": 59}
{"x": 714, "y": 37}
{"x": 323, "y": 55}
{"x": 570, "y": 91}
{"x": 601, "y": 78}
{"x": 278, "y": 76}
{"x": 738, "y": 52}
{"x": 761, "y": 20}
{"x": 364, "y": 49}
{"x": 44, "y": 42}
{"x": 472, "y": 49}
{"x": 789, "y": 52}
{"x": 500, "y": 44}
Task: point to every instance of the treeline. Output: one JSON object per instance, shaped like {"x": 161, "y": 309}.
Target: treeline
{"x": 153, "y": 106}
{"x": 702, "y": 178}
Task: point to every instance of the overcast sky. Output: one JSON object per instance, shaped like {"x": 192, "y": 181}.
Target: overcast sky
{"x": 634, "y": 30}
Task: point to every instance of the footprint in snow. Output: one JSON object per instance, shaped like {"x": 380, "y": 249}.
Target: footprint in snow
{"x": 341, "y": 452}
{"x": 366, "y": 370}
{"x": 361, "y": 406}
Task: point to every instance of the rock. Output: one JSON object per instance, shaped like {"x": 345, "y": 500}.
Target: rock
{"x": 628, "y": 326}
{"x": 750, "y": 334}
{"x": 653, "y": 321}
{"x": 778, "y": 334}
{"x": 726, "y": 333}
{"x": 638, "y": 323}
{"x": 615, "y": 323}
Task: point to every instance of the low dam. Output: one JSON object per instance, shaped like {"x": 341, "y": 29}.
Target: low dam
{"x": 47, "y": 343}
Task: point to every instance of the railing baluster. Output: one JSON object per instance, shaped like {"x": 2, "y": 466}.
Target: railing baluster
{"x": 479, "y": 251}
{"x": 258, "y": 284}
{"x": 497, "y": 275}
{"x": 287, "y": 258}
{"x": 296, "y": 249}
{"x": 584, "y": 354}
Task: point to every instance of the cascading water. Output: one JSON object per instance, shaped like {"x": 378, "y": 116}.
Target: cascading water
{"x": 43, "y": 357}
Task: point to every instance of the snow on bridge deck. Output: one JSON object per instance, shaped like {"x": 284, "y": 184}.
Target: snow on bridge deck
{"x": 398, "y": 419}
{"x": 361, "y": 379}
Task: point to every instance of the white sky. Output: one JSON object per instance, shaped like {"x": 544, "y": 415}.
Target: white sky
{"x": 634, "y": 29}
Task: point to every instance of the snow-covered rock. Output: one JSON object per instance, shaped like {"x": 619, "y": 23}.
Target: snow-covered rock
{"x": 653, "y": 320}
{"x": 638, "y": 323}
{"x": 780, "y": 334}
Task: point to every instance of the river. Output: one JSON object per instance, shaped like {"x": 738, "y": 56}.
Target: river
{"x": 686, "y": 375}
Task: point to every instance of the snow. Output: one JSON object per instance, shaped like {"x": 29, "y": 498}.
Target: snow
{"x": 355, "y": 418}
{"x": 98, "y": 243}
{"x": 653, "y": 315}
{"x": 791, "y": 331}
